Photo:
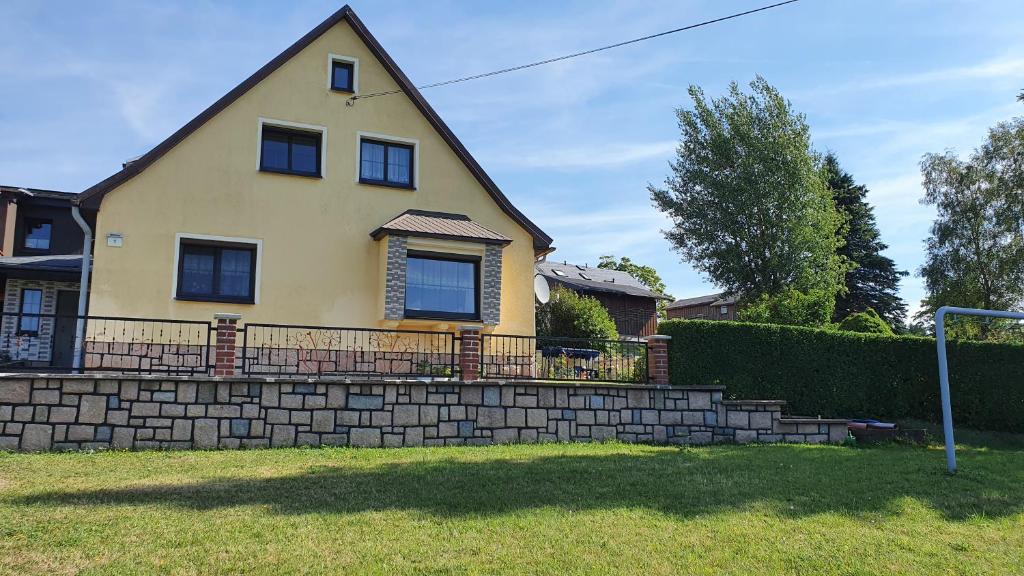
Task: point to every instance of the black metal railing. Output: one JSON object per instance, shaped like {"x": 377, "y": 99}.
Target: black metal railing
{"x": 545, "y": 358}
{"x": 47, "y": 343}
{"x": 289, "y": 350}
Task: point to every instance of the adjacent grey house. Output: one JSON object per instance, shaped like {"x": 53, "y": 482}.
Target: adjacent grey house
{"x": 631, "y": 305}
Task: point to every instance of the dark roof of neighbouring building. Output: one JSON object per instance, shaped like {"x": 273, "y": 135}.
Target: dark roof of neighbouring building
{"x": 93, "y": 194}
{"x": 439, "y": 225}
{"x": 38, "y": 192}
{"x": 719, "y": 299}
{"x": 47, "y": 263}
{"x": 588, "y": 279}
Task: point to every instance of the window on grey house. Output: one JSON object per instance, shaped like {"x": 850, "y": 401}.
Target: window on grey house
{"x": 217, "y": 272}
{"x": 442, "y": 286}
{"x": 37, "y": 233}
{"x": 290, "y": 151}
{"x": 31, "y": 303}
{"x": 385, "y": 163}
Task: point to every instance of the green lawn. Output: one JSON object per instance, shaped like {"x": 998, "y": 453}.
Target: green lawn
{"x": 552, "y": 509}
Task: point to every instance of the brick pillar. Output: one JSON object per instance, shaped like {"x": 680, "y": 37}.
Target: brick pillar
{"x": 227, "y": 331}
{"x": 657, "y": 360}
{"x": 469, "y": 353}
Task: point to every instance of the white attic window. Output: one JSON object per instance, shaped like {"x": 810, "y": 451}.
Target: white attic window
{"x": 558, "y": 272}
{"x": 585, "y": 277}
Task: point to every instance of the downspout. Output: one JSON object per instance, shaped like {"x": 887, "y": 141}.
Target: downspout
{"x": 83, "y": 286}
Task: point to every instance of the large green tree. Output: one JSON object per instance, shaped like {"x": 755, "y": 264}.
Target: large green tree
{"x": 873, "y": 283}
{"x": 976, "y": 249}
{"x": 646, "y": 275}
{"x": 747, "y": 200}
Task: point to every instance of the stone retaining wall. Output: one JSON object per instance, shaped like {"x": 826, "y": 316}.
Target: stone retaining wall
{"x": 91, "y": 412}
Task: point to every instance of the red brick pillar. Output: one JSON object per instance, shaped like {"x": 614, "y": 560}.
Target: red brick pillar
{"x": 657, "y": 360}
{"x": 227, "y": 331}
{"x": 469, "y": 353}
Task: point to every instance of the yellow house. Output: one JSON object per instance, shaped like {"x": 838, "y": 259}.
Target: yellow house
{"x": 296, "y": 199}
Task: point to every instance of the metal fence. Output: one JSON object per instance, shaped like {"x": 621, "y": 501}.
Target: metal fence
{"x": 289, "y": 350}
{"x": 544, "y": 358}
{"x": 47, "y": 343}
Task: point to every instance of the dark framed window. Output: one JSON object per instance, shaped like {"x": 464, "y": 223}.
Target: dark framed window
{"x": 37, "y": 233}
{"x": 217, "y": 272}
{"x": 31, "y": 303}
{"x": 442, "y": 286}
{"x": 342, "y": 76}
{"x": 290, "y": 151}
{"x": 385, "y": 163}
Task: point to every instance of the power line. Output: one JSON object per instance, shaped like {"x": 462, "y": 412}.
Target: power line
{"x": 577, "y": 54}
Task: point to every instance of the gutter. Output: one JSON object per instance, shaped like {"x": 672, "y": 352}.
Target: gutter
{"x": 83, "y": 285}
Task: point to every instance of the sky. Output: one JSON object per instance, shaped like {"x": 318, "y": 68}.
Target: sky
{"x": 87, "y": 85}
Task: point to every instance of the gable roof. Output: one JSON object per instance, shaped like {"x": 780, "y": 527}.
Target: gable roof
{"x": 719, "y": 299}
{"x": 94, "y": 194}
{"x": 439, "y": 225}
{"x": 586, "y": 279}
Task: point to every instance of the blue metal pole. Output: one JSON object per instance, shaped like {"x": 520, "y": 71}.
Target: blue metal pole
{"x": 947, "y": 408}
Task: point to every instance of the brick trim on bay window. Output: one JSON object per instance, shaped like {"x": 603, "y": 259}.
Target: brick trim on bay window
{"x": 394, "y": 288}
{"x": 490, "y": 310}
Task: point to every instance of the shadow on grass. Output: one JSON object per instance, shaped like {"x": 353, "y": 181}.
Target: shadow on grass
{"x": 791, "y": 480}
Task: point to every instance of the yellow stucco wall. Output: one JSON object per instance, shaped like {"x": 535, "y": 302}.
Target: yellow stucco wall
{"x": 318, "y": 264}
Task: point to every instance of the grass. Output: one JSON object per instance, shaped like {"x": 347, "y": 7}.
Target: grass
{"x": 548, "y": 509}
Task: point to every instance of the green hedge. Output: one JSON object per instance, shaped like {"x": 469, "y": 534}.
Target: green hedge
{"x": 844, "y": 374}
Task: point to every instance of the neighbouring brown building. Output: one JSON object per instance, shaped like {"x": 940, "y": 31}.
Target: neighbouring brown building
{"x": 631, "y": 305}
{"x": 709, "y": 307}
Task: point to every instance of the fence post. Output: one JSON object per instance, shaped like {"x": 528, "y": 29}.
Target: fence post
{"x": 657, "y": 359}
{"x": 227, "y": 331}
{"x": 469, "y": 353}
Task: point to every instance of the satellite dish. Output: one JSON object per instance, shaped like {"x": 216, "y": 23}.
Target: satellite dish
{"x": 541, "y": 289}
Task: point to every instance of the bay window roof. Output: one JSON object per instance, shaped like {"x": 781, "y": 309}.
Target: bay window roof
{"x": 439, "y": 225}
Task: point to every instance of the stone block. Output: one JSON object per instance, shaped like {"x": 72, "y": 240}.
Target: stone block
{"x": 143, "y": 409}
{"x": 490, "y": 417}
{"x": 585, "y": 417}
{"x": 277, "y": 416}
{"x": 546, "y": 397}
{"x": 79, "y": 433}
{"x": 337, "y": 394}
{"x": 6, "y": 413}
{"x": 164, "y": 396}
{"x": 42, "y": 414}
{"x": 365, "y": 437}
{"x": 746, "y": 436}
{"x": 471, "y": 394}
{"x": 103, "y": 433}
{"x": 92, "y": 409}
{"x": 380, "y": 418}
{"x": 239, "y": 427}
{"x": 291, "y": 401}
{"x": 23, "y": 413}
{"x": 181, "y": 429}
{"x": 122, "y": 438}
{"x": 323, "y": 421}
{"x": 16, "y": 392}
{"x": 505, "y": 436}
{"x": 466, "y": 428}
{"x": 837, "y": 433}
{"x": 365, "y": 402}
{"x": 737, "y": 419}
{"x": 515, "y": 417}
{"x": 313, "y": 402}
{"x": 414, "y": 436}
{"x": 600, "y": 433}
{"x": 670, "y": 417}
{"x": 186, "y": 392}
{"x": 301, "y": 417}
{"x": 392, "y": 440}
{"x": 270, "y": 395}
{"x": 638, "y": 398}
{"x": 45, "y": 396}
{"x": 348, "y": 418}
{"x": 406, "y": 415}
{"x": 307, "y": 439}
{"x": 282, "y": 435}
{"x": 79, "y": 386}
{"x": 428, "y": 415}
{"x": 250, "y": 410}
{"x": 761, "y": 420}
{"x": 492, "y": 396}
{"x": 205, "y": 433}
{"x": 223, "y": 411}
{"x": 172, "y": 410}
{"x": 649, "y": 416}
{"x": 536, "y": 417}
{"x": 699, "y": 400}
{"x": 35, "y": 437}
{"x": 447, "y": 429}
{"x": 63, "y": 414}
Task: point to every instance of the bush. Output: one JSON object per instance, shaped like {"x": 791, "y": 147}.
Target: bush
{"x": 867, "y": 322}
{"x": 570, "y": 315}
{"x": 844, "y": 374}
{"x": 792, "y": 308}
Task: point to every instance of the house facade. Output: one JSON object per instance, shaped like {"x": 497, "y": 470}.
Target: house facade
{"x": 631, "y": 305}
{"x": 40, "y": 268}
{"x": 321, "y": 191}
{"x": 708, "y": 307}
